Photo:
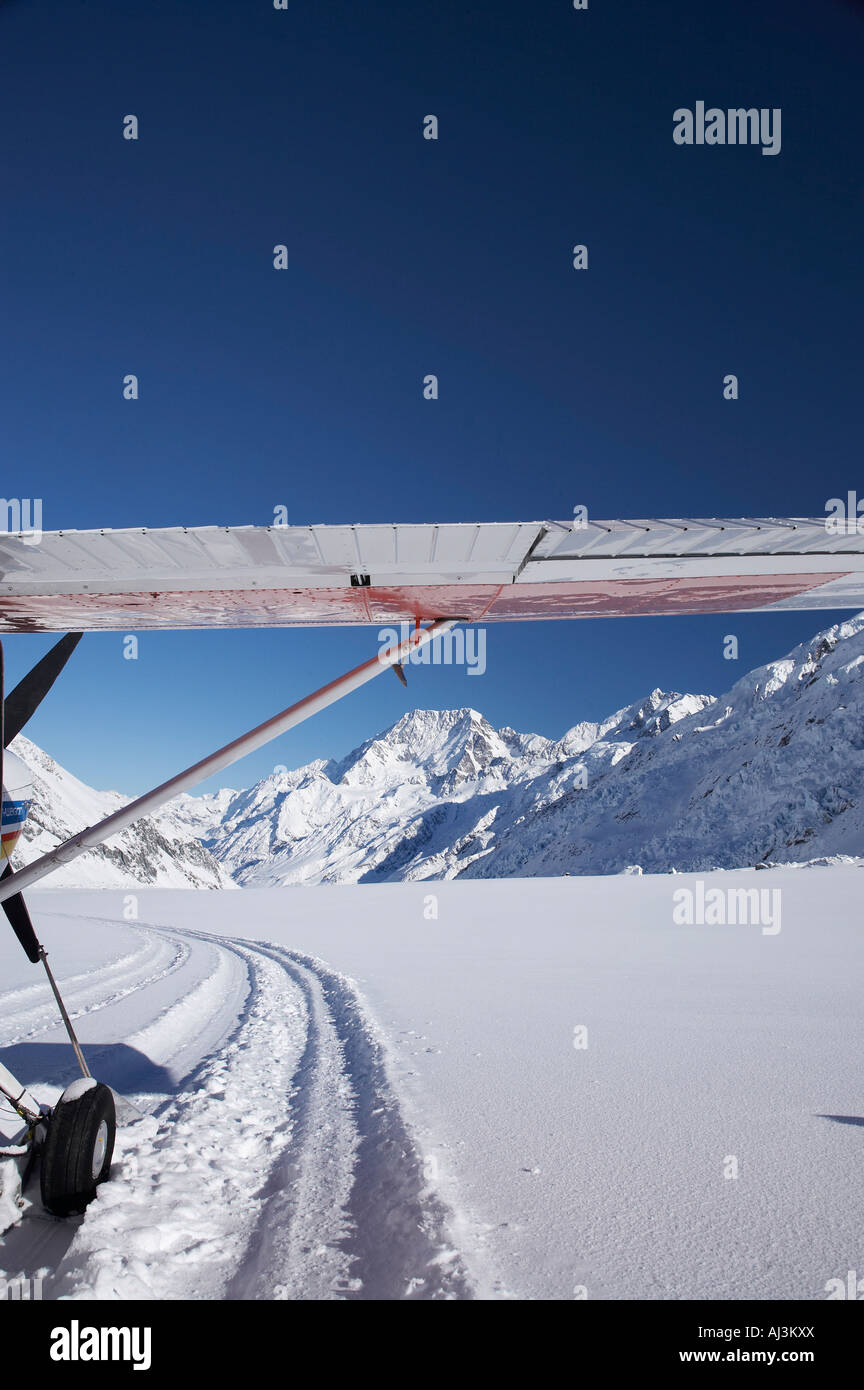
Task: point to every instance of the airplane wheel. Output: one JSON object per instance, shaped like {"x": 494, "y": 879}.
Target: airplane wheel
{"x": 76, "y": 1155}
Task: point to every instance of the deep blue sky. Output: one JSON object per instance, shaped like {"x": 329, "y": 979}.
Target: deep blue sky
{"x": 303, "y": 388}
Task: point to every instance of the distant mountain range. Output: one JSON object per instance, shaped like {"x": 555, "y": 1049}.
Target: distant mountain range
{"x": 771, "y": 772}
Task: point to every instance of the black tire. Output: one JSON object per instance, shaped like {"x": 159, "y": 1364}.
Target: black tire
{"x": 76, "y": 1155}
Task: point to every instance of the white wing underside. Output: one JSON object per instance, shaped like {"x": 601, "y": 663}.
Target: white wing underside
{"x": 286, "y": 576}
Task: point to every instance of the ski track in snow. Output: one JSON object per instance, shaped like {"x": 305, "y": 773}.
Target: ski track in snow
{"x": 282, "y": 1169}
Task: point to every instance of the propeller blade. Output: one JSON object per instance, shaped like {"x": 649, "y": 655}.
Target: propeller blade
{"x": 19, "y": 919}
{"x": 15, "y": 907}
{"x": 25, "y": 699}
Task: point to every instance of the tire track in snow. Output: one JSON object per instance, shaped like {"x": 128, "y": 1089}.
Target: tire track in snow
{"x": 179, "y": 1025}
{"x": 34, "y": 1009}
{"x": 283, "y": 1170}
{"x": 343, "y": 1105}
{"x": 181, "y": 1208}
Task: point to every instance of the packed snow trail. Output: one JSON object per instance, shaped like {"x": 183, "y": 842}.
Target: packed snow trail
{"x": 281, "y": 1169}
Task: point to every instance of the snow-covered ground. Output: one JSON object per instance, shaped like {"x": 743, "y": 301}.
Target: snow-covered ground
{"x": 525, "y": 1088}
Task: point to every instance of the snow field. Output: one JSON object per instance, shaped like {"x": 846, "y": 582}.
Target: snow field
{"x": 546, "y": 1089}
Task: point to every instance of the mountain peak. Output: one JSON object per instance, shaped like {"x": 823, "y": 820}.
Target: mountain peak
{"x": 771, "y": 772}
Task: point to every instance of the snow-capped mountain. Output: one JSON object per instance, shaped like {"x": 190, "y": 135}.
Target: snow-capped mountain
{"x": 772, "y": 771}
{"x": 163, "y": 854}
{"x": 421, "y": 800}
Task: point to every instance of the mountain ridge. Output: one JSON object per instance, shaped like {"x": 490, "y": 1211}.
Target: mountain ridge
{"x": 772, "y": 771}
{"x": 159, "y": 852}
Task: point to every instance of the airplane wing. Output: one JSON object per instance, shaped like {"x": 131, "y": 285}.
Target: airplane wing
{"x": 292, "y": 576}
{"x": 296, "y": 576}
